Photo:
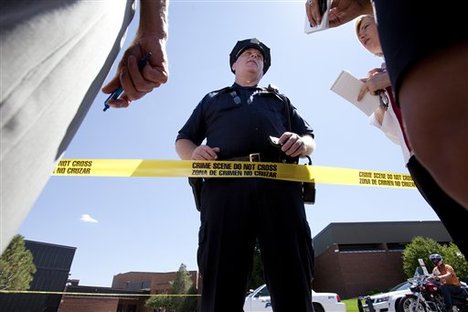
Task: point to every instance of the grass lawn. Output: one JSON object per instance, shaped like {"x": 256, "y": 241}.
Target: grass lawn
{"x": 351, "y": 305}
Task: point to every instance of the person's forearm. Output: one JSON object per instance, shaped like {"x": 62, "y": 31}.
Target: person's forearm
{"x": 309, "y": 144}
{"x": 367, "y": 7}
{"x": 379, "y": 114}
{"x": 185, "y": 148}
{"x": 446, "y": 275}
{"x": 153, "y": 18}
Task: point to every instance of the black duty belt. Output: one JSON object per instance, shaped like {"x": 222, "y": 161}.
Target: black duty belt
{"x": 254, "y": 157}
{"x": 259, "y": 157}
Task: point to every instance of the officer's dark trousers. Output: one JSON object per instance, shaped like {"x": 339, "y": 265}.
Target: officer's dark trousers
{"x": 450, "y": 213}
{"x": 236, "y": 212}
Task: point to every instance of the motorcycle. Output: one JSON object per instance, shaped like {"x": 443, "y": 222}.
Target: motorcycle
{"x": 426, "y": 296}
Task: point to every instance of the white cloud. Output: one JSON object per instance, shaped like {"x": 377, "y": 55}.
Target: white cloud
{"x": 88, "y": 219}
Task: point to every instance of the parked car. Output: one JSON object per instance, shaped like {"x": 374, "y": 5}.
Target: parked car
{"x": 385, "y": 302}
{"x": 259, "y": 300}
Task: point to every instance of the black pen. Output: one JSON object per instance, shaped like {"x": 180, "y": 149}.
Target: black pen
{"x": 117, "y": 92}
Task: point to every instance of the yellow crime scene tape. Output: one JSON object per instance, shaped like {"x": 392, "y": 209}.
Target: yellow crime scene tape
{"x": 217, "y": 169}
{"x": 230, "y": 169}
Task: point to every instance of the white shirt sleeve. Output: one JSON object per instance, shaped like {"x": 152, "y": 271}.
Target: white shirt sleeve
{"x": 389, "y": 126}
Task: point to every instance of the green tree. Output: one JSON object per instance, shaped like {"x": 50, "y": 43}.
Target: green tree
{"x": 455, "y": 258}
{"x": 181, "y": 286}
{"x": 16, "y": 266}
{"x": 190, "y": 303}
{"x": 177, "y": 299}
{"x": 183, "y": 280}
{"x": 419, "y": 248}
{"x": 257, "y": 277}
{"x": 422, "y": 247}
{"x": 160, "y": 301}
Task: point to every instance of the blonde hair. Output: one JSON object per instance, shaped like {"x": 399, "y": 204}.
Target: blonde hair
{"x": 358, "y": 21}
{"x": 357, "y": 25}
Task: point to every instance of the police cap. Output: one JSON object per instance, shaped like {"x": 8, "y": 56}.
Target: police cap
{"x": 243, "y": 45}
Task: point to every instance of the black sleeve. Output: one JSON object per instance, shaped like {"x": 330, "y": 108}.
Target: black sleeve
{"x": 298, "y": 124}
{"x": 195, "y": 127}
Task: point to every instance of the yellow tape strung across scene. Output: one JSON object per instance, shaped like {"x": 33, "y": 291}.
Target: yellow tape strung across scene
{"x": 230, "y": 169}
{"x": 44, "y": 292}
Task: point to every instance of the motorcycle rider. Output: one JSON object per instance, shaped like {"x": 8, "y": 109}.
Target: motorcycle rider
{"x": 450, "y": 284}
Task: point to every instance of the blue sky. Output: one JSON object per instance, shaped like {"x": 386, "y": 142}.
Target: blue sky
{"x": 150, "y": 224}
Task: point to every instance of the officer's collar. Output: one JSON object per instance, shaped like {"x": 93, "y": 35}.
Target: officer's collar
{"x": 236, "y": 86}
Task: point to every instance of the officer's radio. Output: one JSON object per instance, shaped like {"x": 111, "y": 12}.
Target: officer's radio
{"x": 275, "y": 141}
{"x": 308, "y": 190}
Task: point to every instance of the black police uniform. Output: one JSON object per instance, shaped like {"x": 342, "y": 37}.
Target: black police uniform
{"x": 237, "y": 211}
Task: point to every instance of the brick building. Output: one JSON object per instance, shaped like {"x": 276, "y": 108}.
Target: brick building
{"x": 99, "y": 299}
{"x": 128, "y": 293}
{"x": 352, "y": 259}
{"x": 157, "y": 283}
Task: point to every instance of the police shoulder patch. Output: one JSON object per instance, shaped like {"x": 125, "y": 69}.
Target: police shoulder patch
{"x": 274, "y": 91}
{"x": 273, "y": 88}
{"x": 219, "y": 91}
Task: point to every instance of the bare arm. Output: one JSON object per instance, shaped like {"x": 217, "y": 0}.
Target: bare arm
{"x": 153, "y": 18}
{"x": 151, "y": 37}
{"x": 187, "y": 150}
{"x": 379, "y": 114}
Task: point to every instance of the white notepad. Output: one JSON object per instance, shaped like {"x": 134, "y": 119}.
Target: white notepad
{"x": 348, "y": 86}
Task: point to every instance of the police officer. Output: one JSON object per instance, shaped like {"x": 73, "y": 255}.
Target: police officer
{"x": 237, "y": 122}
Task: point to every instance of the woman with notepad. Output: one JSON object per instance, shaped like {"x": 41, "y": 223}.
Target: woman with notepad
{"x": 387, "y": 117}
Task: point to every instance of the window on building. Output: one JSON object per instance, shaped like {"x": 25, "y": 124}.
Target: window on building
{"x": 360, "y": 247}
{"x": 396, "y": 246}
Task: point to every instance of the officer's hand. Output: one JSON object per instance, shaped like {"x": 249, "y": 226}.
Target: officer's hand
{"x": 292, "y": 144}
{"x": 204, "y": 152}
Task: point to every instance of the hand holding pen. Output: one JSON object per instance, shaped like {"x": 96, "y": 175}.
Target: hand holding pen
{"x": 117, "y": 92}
{"x": 138, "y": 78}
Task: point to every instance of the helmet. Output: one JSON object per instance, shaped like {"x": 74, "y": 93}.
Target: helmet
{"x": 243, "y": 45}
{"x": 435, "y": 259}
